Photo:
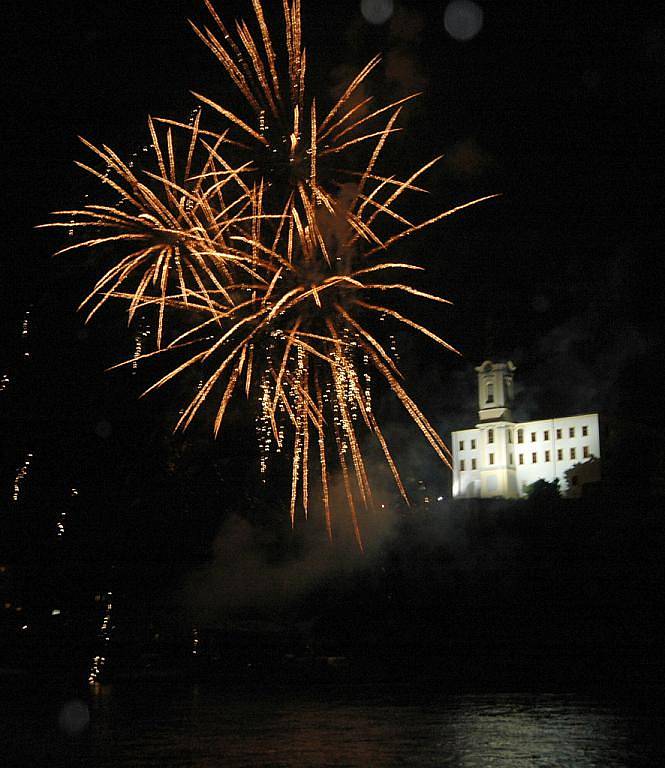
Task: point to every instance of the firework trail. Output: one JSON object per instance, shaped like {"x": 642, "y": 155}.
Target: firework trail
{"x": 277, "y": 265}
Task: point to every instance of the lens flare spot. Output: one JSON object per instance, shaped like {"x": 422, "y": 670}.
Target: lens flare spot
{"x": 74, "y": 717}
{"x": 463, "y": 19}
{"x": 377, "y": 11}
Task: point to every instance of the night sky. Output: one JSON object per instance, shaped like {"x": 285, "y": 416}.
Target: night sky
{"x": 552, "y": 105}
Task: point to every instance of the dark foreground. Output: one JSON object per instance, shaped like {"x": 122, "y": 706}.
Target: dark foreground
{"x": 513, "y": 635}
{"x": 205, "y": 724}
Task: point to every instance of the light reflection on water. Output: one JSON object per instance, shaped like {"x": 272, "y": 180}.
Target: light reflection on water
{"x": 202, "y": 727}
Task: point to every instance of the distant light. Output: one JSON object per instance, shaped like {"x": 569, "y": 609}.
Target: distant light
{"x": 439, "y": 498}
{"x": 463, "y": 19}
{"x": 25, "y": 626}
{"x": 55, "y": 612}
{"x": 376, "y": 11}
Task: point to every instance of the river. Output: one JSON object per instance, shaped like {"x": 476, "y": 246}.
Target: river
{"x": 205, "y": 725}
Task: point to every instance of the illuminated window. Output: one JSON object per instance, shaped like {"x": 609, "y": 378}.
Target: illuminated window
{"x": 521, "y": 458}
{"x": 490, "y": 435}
{"x": 461, "y": 445}
{"x": 571, "y": 432}
{"x": 534, "y": 458}
{"x": 491, "y": 458}
{"x": 461, "y": 465}
{"x": 559, "y": 454}
{"x": 546, "y": 436}
{"x": 473, "y": 445}
{"x": 473, "y": 463}
{"x": 520, "y": 435}
{"x": 572, "y": 453}
{"x": 585, "y": 431}
{"x": 585, "y": 451}
{"x": 558, "y": 434}
{"x": 490, "y": 393}
{"x": 547, "y": 455}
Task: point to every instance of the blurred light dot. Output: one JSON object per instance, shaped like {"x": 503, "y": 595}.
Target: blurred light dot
{"x": 463, "y": 19}
{"x": 376, "y": 11}
{"x": 55, "y": 612}
{"x": 74, "y": 717}
{"x": 103, "y": 429}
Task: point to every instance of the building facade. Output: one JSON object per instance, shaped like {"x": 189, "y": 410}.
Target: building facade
{"x": 501, "y": 458}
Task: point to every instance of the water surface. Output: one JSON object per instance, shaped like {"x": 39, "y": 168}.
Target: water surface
{"x": 205, "y": 726}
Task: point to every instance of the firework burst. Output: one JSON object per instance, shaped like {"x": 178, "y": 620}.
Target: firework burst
{"x": 276, "y": 263}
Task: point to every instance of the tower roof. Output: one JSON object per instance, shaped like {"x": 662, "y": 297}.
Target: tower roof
{"x": 489, "y": 365}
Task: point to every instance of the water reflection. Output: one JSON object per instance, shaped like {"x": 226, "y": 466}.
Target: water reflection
{"x": 204, "y": 727}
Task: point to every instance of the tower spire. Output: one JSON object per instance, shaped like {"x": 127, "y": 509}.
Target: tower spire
{"x": 495, "y": 390}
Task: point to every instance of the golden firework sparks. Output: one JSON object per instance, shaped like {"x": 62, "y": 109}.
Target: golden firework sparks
{"x": 278, "y": 275}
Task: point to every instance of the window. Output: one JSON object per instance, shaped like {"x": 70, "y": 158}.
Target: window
{"x": 491, "y": 458}
{"x": 533, "y": 437}
{"x": 585, "y": 431}
{"x": 510, "y": 436}
{"x": 473, "y": 445}
{"x": 585, "y": 451}
{"x": 461, "y": 445}
{"x": 558, "y": 434}
{"x": 572, "y": 453}
{"x": 510, "y": 459}
{"x": 490, "y": 435}
{"x": 534, "y": 458}
{"x": 520, "y": 435}
{"x": 490, "y": 393}
{"x": 546, "y": 435}
{"x": 521, "y": 458}
{"x": 547, "y": 455}
{"x": 461, "y": 465}
{"x": 473, "y": 463}
{"x": 571, "y": 432}
{"x": 559, "y": 454}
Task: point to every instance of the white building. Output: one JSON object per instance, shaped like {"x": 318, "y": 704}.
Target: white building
{"x": 499, "y": 457}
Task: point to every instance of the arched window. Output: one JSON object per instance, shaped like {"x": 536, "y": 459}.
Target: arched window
{"x": 490, "y": 392}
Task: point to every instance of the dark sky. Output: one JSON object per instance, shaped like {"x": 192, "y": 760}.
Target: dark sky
{"x": 554, "y": 105}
